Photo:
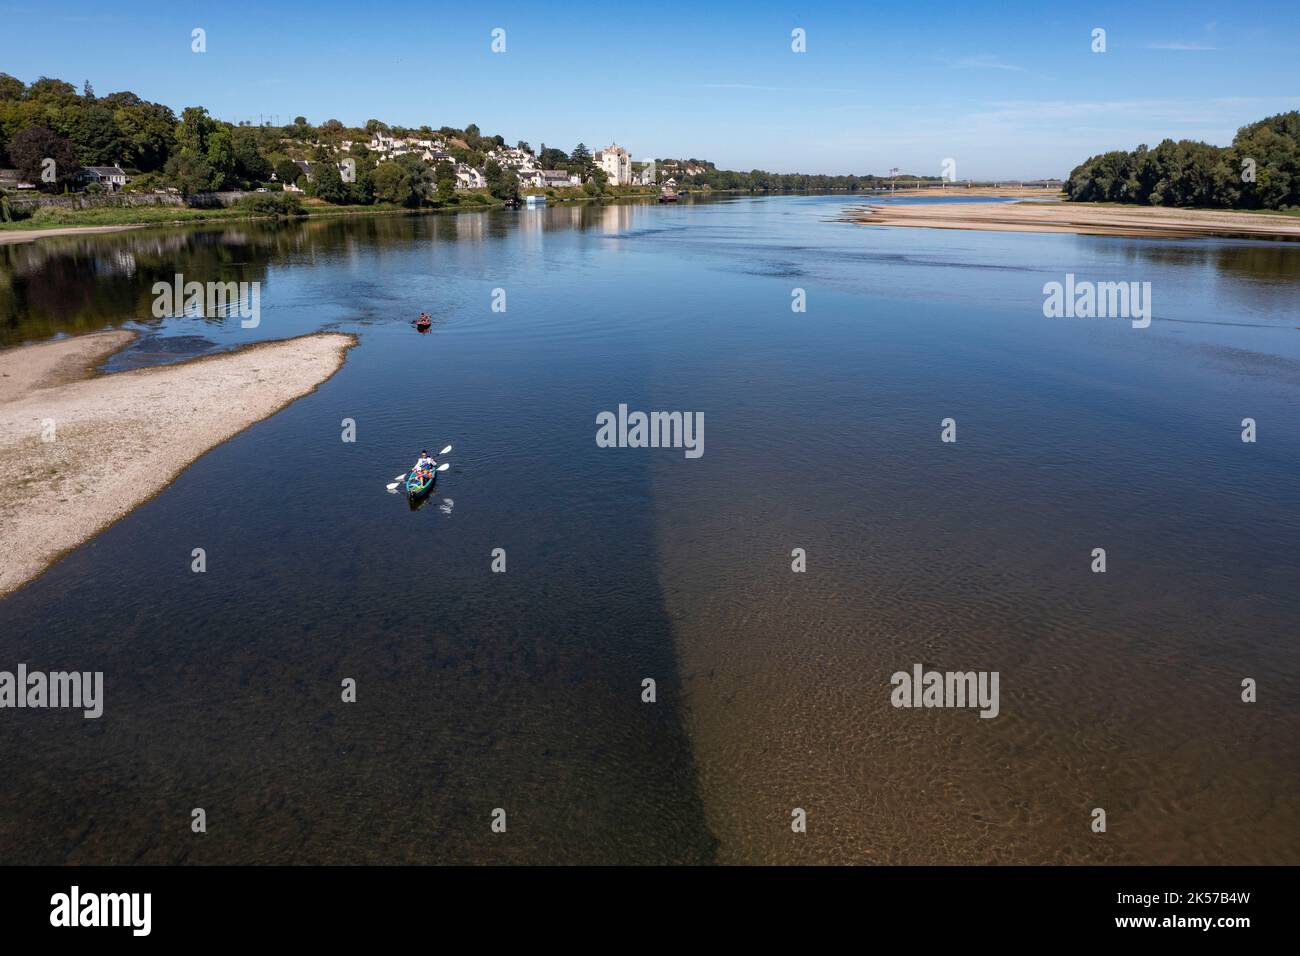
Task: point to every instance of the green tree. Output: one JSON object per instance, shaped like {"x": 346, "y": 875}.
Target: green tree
{"x": 444, "y": 174}
{"x": 11, "y": 88}
{"x": 392, "y": 183}
{"x": 552, "y": 158}
{"x": 327, "y": 184}
{"x": 501, "y": 182}
{"x": 95, "y": 133}
{"x": 148, "y": 130}
{"x": 250, "y": 166}
{"x": 287, "y": 171}
{"x": 221, "y": 157}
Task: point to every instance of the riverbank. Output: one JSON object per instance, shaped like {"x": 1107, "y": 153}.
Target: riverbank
{"x": 1087, "y": 219}
{"x": 11, "y": 236}
{"x": 78, "y": 450}
{"x": 64, "y": 222}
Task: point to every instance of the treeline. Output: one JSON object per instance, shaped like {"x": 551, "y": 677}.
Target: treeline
{"x": 758, "y": 180}
{"x": 1260, "y": 170}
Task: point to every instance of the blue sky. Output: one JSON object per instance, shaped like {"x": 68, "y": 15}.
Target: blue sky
{"x": 1006, "y": 89}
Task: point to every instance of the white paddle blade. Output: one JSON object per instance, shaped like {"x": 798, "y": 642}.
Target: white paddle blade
{"x": 392, "y": 487}
{"x": 399, "y": 477}
{"x": 445, "y": 466}
{"x": 445, "y": 450}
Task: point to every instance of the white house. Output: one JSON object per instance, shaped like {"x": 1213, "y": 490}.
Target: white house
{"x": 617, "y": 164}
{"x": 559, "y": 179}
{"x": 111, "y": 178}
{"x": 467, "y": 177}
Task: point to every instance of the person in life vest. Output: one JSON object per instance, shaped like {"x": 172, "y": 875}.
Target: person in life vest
{"x": 425, "y": 463}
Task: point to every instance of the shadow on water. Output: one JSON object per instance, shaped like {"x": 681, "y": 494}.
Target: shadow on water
{"x": 475, "y": 690}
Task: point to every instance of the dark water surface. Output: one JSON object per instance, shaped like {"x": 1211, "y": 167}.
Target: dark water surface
{"x": 522, "y": 690}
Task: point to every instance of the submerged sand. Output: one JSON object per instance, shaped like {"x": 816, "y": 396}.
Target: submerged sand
{"x": 78, "y": 451}
{"x": 1083, "y": 219}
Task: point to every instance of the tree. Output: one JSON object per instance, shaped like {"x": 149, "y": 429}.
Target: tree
{"x": 250, "y": 165}
{"x": 444, "y": 174}
{"x": 48, "y": 90}
{"x": 11, "y": 88}
{"x": 501, "y": 182}
{"x": 580, "y": 157}
{"x": 190, "y": 173}
{"x": 327, "y": 184}
{"x": 1189, "y": 173}
{"x": 393, "y": 184}
{"x": 287, "y": 171}
{"x": 552, "y": 158}
{"x": 148, "y": 131}
{"x": 221, "y": 157}
{"x": 96, "y": 135}
{"x": 30, "y": 150}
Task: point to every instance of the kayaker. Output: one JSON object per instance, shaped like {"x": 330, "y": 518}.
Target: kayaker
{"x": 425, "y": 463}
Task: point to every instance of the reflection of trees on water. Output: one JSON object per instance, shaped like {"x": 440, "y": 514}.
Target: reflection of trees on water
{"x": 1272, "y": 269}
{"x": 82, "y": 283}
{"x": 77, "y": 284}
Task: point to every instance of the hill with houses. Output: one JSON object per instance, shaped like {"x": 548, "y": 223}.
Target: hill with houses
{"x": 57, "y": 139}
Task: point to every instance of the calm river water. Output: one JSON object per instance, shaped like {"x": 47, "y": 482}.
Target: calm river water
{"x": 523, "y": 690}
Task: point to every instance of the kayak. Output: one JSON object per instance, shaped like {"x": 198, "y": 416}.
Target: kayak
{"x": 423, "y": 326}
{"x": 418, "y": 483}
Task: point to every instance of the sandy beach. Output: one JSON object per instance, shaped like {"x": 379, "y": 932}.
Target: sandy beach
{"x": 78, "y": 450}
{"x": 10, "y": 237}
{"x": 958, "y": 190}
{"x": 1157, "y": 222}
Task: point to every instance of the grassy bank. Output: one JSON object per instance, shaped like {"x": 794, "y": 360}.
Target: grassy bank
{"x": 53, "y": 217}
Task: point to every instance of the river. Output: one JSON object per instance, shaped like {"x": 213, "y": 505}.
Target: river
{"x": 523, "y": 691}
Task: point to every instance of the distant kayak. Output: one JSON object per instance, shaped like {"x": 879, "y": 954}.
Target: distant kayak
{"x": 423, "y": 325}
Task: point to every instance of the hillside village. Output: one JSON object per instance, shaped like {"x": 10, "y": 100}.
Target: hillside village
{"x": 56, "y": 141}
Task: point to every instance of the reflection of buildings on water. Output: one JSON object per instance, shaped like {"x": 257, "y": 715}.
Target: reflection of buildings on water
{"x": 471, "y": 226}
{"x": 120, "y": 262}
{"x": 615, "y": 219}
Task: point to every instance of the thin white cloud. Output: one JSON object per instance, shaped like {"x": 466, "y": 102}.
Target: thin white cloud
{"x": 987, "y": 61}
{"x": 1180, "y": 45}
{"x": 775, "y": 89}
